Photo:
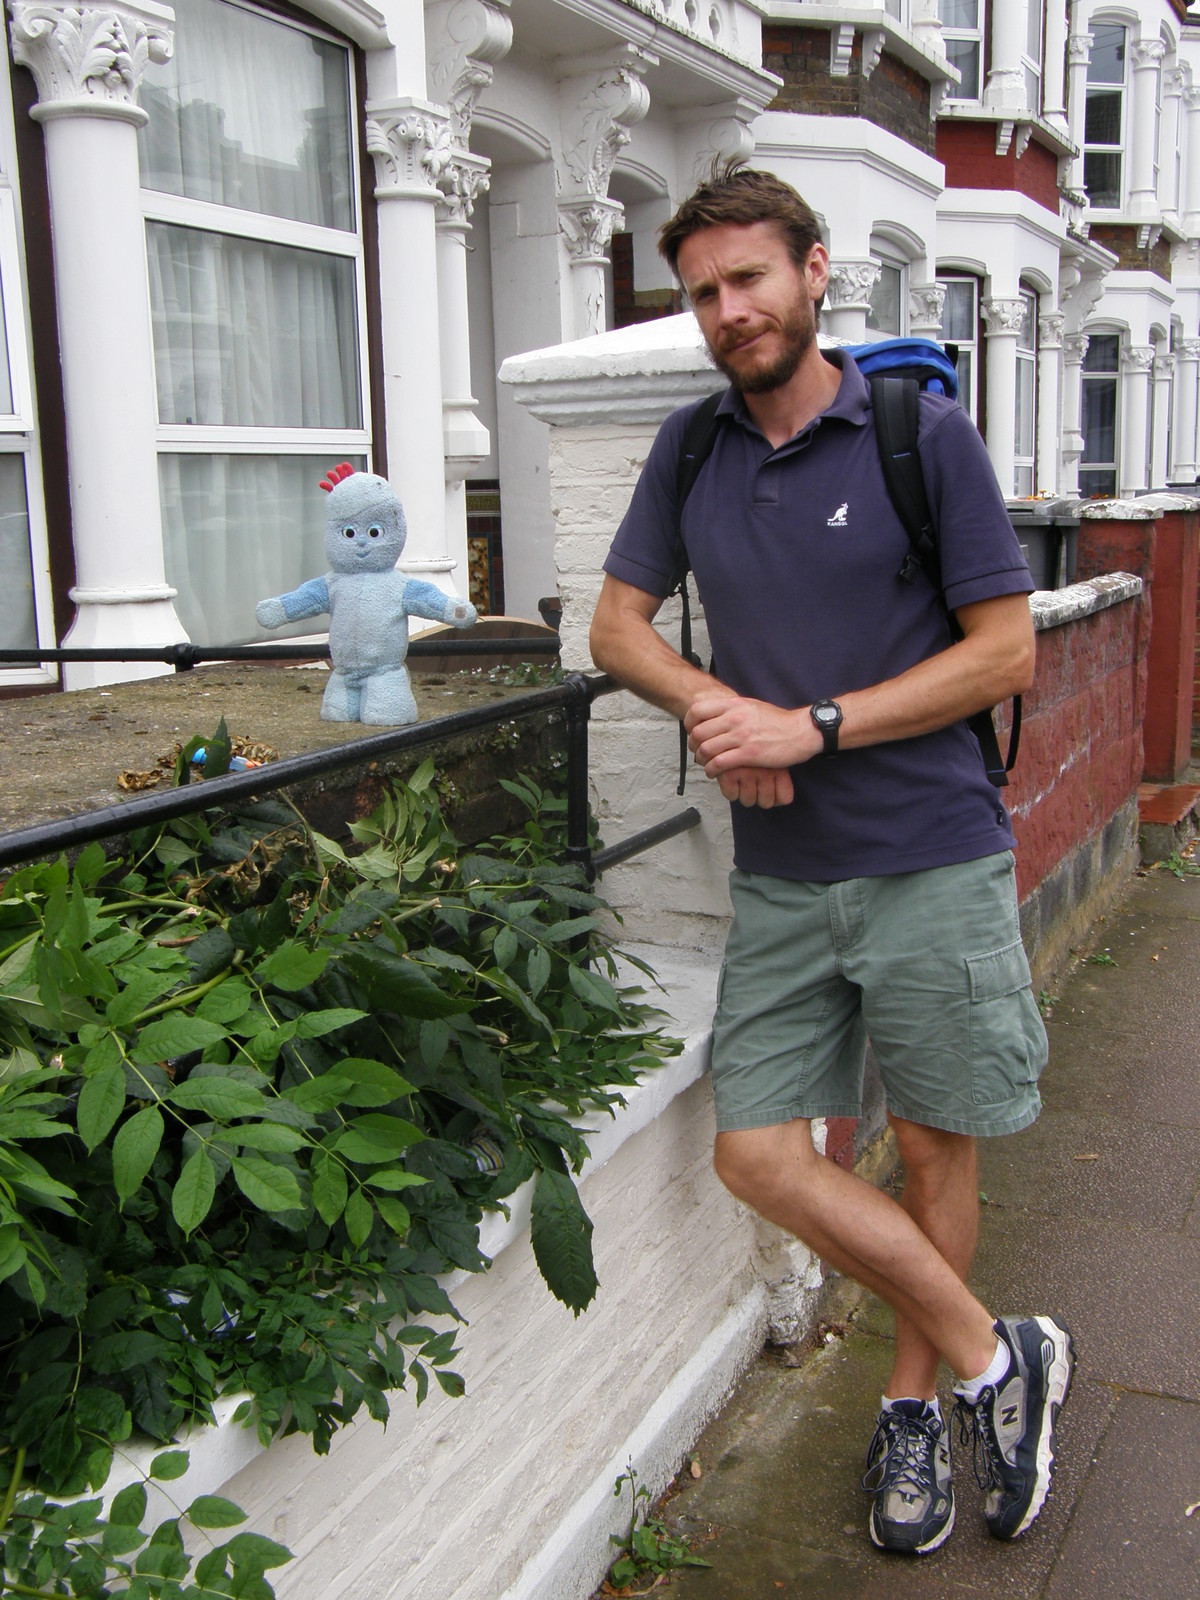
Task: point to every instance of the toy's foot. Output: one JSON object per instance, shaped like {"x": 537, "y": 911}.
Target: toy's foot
{"x": 387, "y": 700}
{"x": 341, "y": 701}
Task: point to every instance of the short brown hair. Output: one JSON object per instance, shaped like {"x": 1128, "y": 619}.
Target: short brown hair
{"x": 736, "y": 193}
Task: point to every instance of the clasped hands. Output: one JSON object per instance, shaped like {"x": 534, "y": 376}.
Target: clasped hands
{"x": 748, "y": 745}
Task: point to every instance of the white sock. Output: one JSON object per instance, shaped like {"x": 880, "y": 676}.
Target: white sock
{"x": 972, "y": 1388}
{"x": 890, "y": 1405}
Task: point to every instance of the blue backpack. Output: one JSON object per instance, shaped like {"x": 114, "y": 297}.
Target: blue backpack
{"x": 896, "y": 371}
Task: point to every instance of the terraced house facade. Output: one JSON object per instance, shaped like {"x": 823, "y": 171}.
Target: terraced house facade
{"x": 241, "y": 241}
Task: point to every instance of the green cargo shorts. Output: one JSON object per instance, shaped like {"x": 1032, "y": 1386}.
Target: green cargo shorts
{"x": 929, "y": 965}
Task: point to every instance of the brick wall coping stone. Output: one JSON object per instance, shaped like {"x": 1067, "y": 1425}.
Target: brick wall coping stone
{"x": 1143, "y": 508}
{"x": 1052, "y": 608}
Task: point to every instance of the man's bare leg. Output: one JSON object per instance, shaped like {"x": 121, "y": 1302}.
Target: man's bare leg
{"x": 861, "y": 1232}
{"x": 941, "y": 1195}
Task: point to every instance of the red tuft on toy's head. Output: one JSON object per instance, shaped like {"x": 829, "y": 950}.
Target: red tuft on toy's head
{"x": 335, "y": 475}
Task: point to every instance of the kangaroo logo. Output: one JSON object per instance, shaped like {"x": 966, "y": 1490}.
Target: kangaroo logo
{"x": 838, "y": 519}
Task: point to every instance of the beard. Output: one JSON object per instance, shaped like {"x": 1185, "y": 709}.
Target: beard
{"x": 796, "y": 333}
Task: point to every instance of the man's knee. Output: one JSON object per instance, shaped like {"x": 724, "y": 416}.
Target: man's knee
{"x": 756, "y": 1163}
{"x": 932, "y": 1158}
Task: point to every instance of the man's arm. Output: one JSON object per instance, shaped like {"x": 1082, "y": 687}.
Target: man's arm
{"x": 625, "y": 644}
{"x": 993, "y": 660}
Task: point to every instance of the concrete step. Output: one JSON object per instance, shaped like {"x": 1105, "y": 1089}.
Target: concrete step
{"x": 1168, "y": 818}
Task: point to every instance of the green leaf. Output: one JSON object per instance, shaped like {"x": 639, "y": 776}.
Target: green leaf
{"x": 358, "y": 1218}
{"x": 329, "y": 1187}
{"x": 192, "y": 1196}
{"x": 174, "y": 1035}
{"x": 227, "y": 1002}
{"x": 292, "y": 967}
{"x": 101, "y": 1101}
{"x": 539, "y": 970}
{"x": 212, "y": 1511}
{"x": 319, "y": 1094}
{"x": 134, "y": 1150}
{"x": 394, "y": 1214}
{"x": 129, "y": 1507}
{"x": 560, "y": 1232}
{"x": 218, "y": 1097}
{"x": 593, "y": 990}
{"x": 265, "y": 1185}
{"x": 505, "y": 948}
{"x": 275, "y": 1136}
{"x": 394, "y": 1178}
{"x": 373, "y": 1083}
{"x": 169, "y": 1464}
{"x": 376, "y": 1138}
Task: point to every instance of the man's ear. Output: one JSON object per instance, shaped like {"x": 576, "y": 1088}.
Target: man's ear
{"x": 816, "y": 270}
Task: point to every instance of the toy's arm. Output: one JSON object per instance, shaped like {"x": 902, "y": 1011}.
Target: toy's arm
{"x": 309, "y": 600}
{"x": 427, "y": 600}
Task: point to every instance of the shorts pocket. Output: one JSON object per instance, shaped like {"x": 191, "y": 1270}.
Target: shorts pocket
{"x": 1007, "y": 1041}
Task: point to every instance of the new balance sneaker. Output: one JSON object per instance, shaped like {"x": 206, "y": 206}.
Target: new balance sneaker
{"x": 1011, "y": 1424}
{"x": 908, "y": 1473}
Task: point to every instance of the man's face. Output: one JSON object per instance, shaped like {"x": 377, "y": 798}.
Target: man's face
{"x": 753, "y": 303}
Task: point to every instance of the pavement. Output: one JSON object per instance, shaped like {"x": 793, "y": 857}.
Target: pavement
{"x": 1093, "y": 1214}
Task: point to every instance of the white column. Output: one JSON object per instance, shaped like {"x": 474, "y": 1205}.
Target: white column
{"x": 1050, "y": 351}
{"x": 1191, "y": 164}
{"x": 848, "y": 299}
{"x": 1146, "y": 56}
{"x": 410, "y": 141}
{"x": 1002, "y": 321}
{"x": 1187, "y": 373}
{"x": 1136, "y": 362}
{"x": 1164, "y": 368}
{"x": 88, "y": 63}
{"x": 1074, "y": 349}
{"x": 1054, "y": 105}
{"x": 1005, "y": 87}
{"x": 1079, "y": 47}
{"x": 464, "y": 438}
{"x": 600, "y": 99}
{"x": 1170, "y": 201}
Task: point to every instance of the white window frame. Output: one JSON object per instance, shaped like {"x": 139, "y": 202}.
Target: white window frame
{"x": 1025, "y": 462}
{"x": 19, "y": 436}
{"x": 968, "y": 395}
{"x": 1031, "y": 57}
{"x": 967, "y": 36}
{"x": 1105, "y": 376}
{"x": 891, "y": 263}
{"x": 1124, "y": 88}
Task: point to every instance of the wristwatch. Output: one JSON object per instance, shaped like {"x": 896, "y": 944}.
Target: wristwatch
{"x": 827, "y": 718}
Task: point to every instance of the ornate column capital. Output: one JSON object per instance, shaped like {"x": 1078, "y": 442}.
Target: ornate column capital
{"x": 720, "y": 133}
{"x": 1075, "y": 348}
{"x": 1003, "y": 317}
{"x": 851, "y": 283}
{"x": 587, "y": 225}
{"x": 1191, "y": 97}
{"x": 460, "y": 183}
{"x": 412, "y": 146}
{"x": 464, "y": 40}
{"x": 925, "y": 304}
{"x": 1137, "y": 358}
{"x": 599, "y": 101}
{"x": 1164, "y": 368}
{"x": 1050, "y": 330}
{"x": 89, "y": 60}
{"x": 1079, "y": 49}
{"x": 1188, "y": 350}
{"x": 1146, "y": 53}
{"x": 1175, "y": 81}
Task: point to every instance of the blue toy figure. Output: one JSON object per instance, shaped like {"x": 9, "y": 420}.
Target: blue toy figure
{"x": 368, "y": 601}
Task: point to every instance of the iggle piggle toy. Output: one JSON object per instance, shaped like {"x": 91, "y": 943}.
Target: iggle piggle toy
{"x": 368, "y": 601}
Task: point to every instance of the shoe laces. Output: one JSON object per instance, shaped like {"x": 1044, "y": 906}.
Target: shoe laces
{"x": 907, "y": 1445}
{"x": 975, "y": 1428}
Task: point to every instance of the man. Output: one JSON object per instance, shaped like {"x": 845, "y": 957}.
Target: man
{"x": 873, "y": 886}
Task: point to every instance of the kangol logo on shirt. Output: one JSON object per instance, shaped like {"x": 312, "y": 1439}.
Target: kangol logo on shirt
{"x": 838, "y": 519}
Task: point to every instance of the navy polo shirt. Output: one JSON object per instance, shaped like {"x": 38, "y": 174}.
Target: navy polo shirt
{"x": 796, "y": 554}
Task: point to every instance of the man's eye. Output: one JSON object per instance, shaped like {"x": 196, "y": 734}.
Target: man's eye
{"x": 374, "y": 533}
{"x": 349, "y": 532}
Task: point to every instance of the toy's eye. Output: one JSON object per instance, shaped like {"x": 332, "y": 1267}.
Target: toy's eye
{"x": 374, "y": 533}
{"x": 349, "y": 532}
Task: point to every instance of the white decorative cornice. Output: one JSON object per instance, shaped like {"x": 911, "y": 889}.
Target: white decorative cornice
{"x": 89, "y": 60}
{"x": 1146, "y": 53}
{"x": 718, "y": 133}
{"x": 587, "y": 225}
{"x": 599, "y": 102}
{"x": 412, "y": 145}
{"x": 851, "y": 283}
{"x": 1014, "y": 136}
{"x": 462, "y": 180}
{"x": 841, "y": 46}
{"x": 1188, "y": 350}
{"x": 1075, "y": 347}
{"x": 1050, "y": 330}
{"x": 872, "y": 50}
{"x": 464, "y": 40}
{"x": 1003, "y": 317}
{"x": 1137, "y": 358}
{"x": 925, "y": 304}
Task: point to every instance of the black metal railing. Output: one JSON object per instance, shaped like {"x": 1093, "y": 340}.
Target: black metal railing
{"x": 183, "y": 657}
{"x": 574, "y": 695}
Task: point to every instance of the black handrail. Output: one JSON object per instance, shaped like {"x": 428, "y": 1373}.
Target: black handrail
{"x": 183, "y": 657}
{"x": 575, "y": 694}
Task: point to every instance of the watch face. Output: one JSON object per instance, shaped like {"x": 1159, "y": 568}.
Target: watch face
{"x": 826, "y": 714}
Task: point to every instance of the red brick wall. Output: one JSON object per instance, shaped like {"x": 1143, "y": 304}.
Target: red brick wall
{"x": 894, "y": 97}
{"x": 967, "y": 150}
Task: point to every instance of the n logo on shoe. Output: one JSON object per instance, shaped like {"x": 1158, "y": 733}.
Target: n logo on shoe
{"x": 1009, "y": 1415}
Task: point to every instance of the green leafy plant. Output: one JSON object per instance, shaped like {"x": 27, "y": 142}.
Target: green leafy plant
{"x": 257, "y": 1092}
{"x": 1100, "y": 958}
{"x": 649, "y": 1550}
{"x": 1180, "y": 864}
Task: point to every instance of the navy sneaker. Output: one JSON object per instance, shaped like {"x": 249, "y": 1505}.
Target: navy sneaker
{"x": 1011, "y": 1425}
{"x": 908, "y": 1473}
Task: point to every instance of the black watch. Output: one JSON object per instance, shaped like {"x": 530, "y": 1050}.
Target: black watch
{"x": 827, "y": 718}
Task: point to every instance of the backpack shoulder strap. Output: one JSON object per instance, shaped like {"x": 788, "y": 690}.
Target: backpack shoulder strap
{"x": 894, "y": 404}
{"x": 699, "y": 436}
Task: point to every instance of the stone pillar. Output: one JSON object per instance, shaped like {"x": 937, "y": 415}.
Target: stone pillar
{"x": 88, "y": 62}
{"x": 1164, "y": 370}
{"x": 1146, "y": 56}
{"x": 1191, "y": 164}
{"x": 1136, "y": 363}
{"x": 925, "y": 302}
{"x": 1054, "y": 103}
{"x": 848, "y": 299}
{"x": 1074, "y": 349}
{"x": 599, "y": 101}
{"x": 411, "y": 142}
{"x": 1187, "y": 374}
{"x": 1005, "y": 88}
{"x": 1050, "y": 353}
{"x": 1002, "y": 320}
{"x": 1079, "y": 48}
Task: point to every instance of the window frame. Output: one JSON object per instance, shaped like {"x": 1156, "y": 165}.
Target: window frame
{"x": 890, "y": 263}
{"x": 1106, "y": 376}
{"x": 1123, "y": 89}
{"x": 969, "y": 403}
{"x": 974, "y": 36}
{"x": 1025, "y": 462}
{"x": 1031, "y": 63}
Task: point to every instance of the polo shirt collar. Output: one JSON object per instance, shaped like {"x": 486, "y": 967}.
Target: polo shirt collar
{"x": 851, "y": 403}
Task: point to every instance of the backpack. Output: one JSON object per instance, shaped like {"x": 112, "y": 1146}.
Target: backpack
{"x": 896, "y": 371}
